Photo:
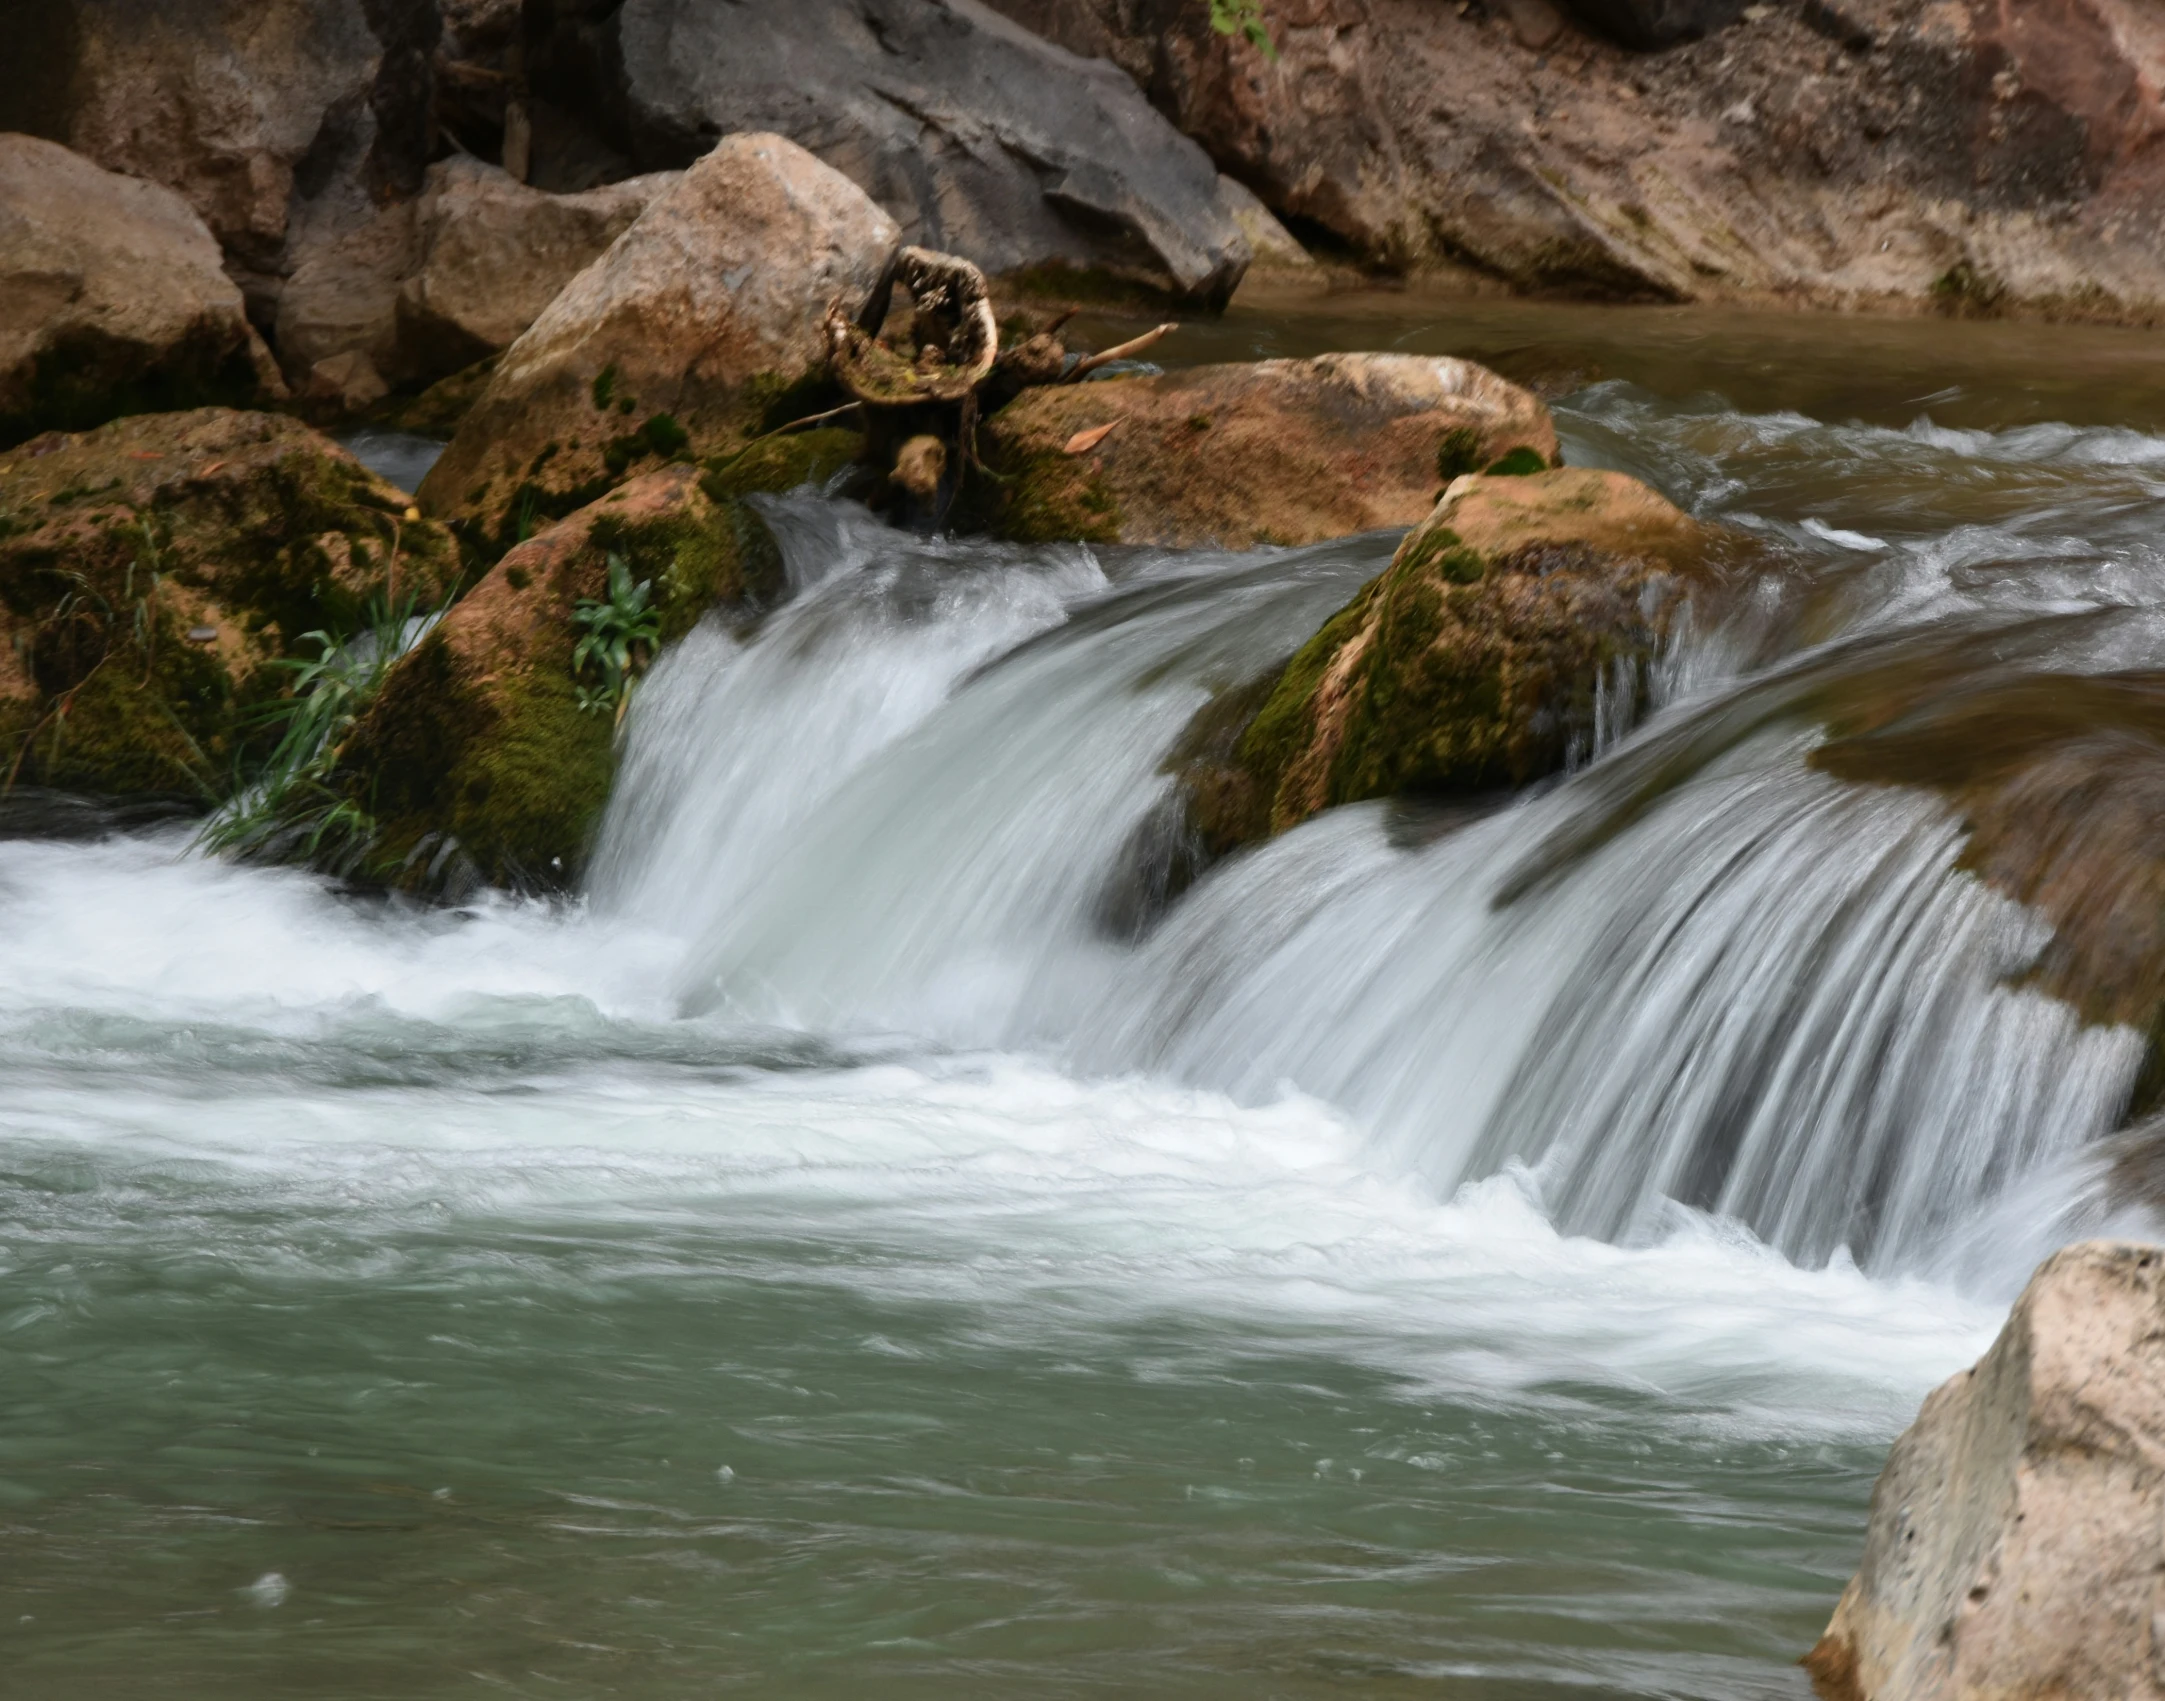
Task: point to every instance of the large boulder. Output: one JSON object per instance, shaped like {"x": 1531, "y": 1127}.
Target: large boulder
{"x": 1276, "y": 451}
{"x": 980, "y": 138}
{"x": 685, "y": 337}
{"x": 429, "y": 286}
{"x": 111, "y": 299}
{"x": 2017, "y": 1534}
{"x": 1475, "y": 662}
{"x": 153, "y": 569}
{"x": 488, "y": 754}
{"x": 1975, "y": 156}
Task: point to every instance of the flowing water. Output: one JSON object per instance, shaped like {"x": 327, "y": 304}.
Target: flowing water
{"x": 878, "y": 1241}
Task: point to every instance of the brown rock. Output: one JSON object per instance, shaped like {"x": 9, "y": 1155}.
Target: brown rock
{"x": 111, "y": 299}
{"x": 1280, "y": 451}
{"x": 126, "y": 542}
{"x": 2017, "y": 1537}
{"x": 1475, "y": 662}
{"x": 698, "y": 321}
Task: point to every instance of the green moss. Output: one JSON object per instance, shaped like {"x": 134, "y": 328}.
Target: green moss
{"x": 1968, "y": 291}
{"x": 1458, "y": 453}
{"x": 603, "y": 388}
{"x": 89, "y": 376}
{"x": 782, "y": 463}
{"x": 1440, "y": 552}
{"x": 1521, "y": 462}
{"x": 1286, "y": 723}
{"x": 437, "y": 410}
{"x": 1043, "y": 497}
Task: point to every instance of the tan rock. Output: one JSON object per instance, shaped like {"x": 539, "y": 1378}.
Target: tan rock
{"x": 1476, "y": 661}
{"x": 112, "y": 299}
{"x": 2016, "y": 1549}
{"x": 1280, "y": 451}
{"x": 347, "y": 382}
{"x": 680, "y": 338}
{"x": 343, "y": 296}
{"x": 1275, "y": 248}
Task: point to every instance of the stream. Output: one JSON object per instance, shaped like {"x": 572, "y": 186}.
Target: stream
{"x": 876, "y": 1241}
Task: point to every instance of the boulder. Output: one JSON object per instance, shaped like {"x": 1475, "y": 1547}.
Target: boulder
{"x": 150, "y": 570}
{"x": 427, "y": 287}
{"x": 488, "y": 754}
{"x": 2017, "y": 1533}
{"x": 980, "y": 138}
{"x": 111, "y": 299}
{"x": 697, "y": 325}
{"x": 1475, "y": 662}
{"x": 1277, "y": 451}
{"x": 249, "y": 109}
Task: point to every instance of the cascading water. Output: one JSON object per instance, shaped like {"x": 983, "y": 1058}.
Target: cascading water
{"x": 888, "y": 1238}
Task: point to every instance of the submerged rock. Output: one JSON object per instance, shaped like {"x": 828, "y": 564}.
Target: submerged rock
{"x": 151, "y": 570}
{"x": 489, "y": 752}
{"x": 2017, "y": 1533}
{"x": 1477, "y": 661}
{"x": 1278, "y": 451}
{"x": 112, "y": 299}
{"x": 687, "y": 336}
{"x": 980, "y": 138}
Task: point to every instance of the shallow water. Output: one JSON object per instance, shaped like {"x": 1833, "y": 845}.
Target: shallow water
{"x": 858, "y": 1250}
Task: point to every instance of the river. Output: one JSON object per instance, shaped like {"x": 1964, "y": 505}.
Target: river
{"x": 873, "y": 1242}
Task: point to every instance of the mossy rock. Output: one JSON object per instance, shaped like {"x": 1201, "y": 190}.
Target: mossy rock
{"x": 1472, "y": 664}
{"x": 153, "y": 570}
{"x": 478, "y": 755}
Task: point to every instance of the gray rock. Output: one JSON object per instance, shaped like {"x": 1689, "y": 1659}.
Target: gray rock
{"x": 978, "y": 137}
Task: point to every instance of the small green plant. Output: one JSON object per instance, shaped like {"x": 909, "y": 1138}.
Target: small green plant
{"x": 1244, "y": 18}
{"x": 288, "y": 809}
{"x": 620, "y": 632}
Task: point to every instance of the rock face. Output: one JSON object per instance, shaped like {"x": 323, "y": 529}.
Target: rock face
{"x": 1651, "y": 24}
{"x": 2017, "y": 1537}
{"x": 1963, "y": 155}
{"x": 151, "y": 568}
{"x": 680, "y": 339}
{"x": 430, "y": 286}
{"x": 1280, "y": 451}
{"x": 479, "y": 752}
{"x": 111, "y": 299}
{"x": 1473, "y": 663}
{"x": 978, "y": 137}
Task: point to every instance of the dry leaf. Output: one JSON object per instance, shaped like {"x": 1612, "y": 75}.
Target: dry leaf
{"x": 1084, "y": 441}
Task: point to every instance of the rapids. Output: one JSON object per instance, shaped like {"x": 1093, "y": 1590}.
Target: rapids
{"x": 881, "y": 1239}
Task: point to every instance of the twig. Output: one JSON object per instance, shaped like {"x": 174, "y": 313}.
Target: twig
{"x": 1119, "y": 351}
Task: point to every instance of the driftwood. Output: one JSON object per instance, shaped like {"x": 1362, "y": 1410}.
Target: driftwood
{"x": 956, "y": 337}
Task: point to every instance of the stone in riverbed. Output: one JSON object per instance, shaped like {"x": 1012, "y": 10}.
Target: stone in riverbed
{"x": 2017, "y": 1537}
{"x": 477, "y": 755}
{"x": 702, "y": 320}
{"x": 1473, "y": 663}
{"x": 1277, "y": 451}
{"x": 153, "y": 569}
{"x": 112, "y": 299}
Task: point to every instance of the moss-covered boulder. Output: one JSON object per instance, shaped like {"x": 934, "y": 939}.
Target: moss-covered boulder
{"x": 1274, "y": 451}
{"x": 488, "y": 751}
{"x": 113, "y": 300}
{"x": 1473, "y": 663}
{"x": 151, "y": 569}
{"x": 701, "y": 326}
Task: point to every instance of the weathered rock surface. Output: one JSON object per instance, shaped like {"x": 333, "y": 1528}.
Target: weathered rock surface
{"x": 1473, "y": 663}
{"x": 151, "y": 568}
{"x": 2017, "y": 1539}
{"x": 679, "y": 340}
{"x": 429, "y": 286}
{"x": 979, "y": 138}
{"x": 1279, "y": 451}
{"x": 1963, "y": 155}
{"x": 1651, "y": 24}
{"x": 478, "y": 750}
{"x": 111, "y": 299}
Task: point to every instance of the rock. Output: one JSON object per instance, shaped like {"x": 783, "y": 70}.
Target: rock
{"x": 428, "y": 287}
{"x": 1472, "y": 663}
{"x": 249, "y": 109}
{"x": 151, "y": 569}
{"x": 1653, "y": 24}
{"x": 1279, "y": 451}
{"x": 111, "y": 299}
{"x": 696, "y": 324}
{"x": 1970, "y": 156}
{"x": 1275, "y": 248}
{"x": 478, "y": 751}
{"x": 347, "y": 382}
{"x": 979, "y": 138}
{"x": 2017, "y": 1533}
